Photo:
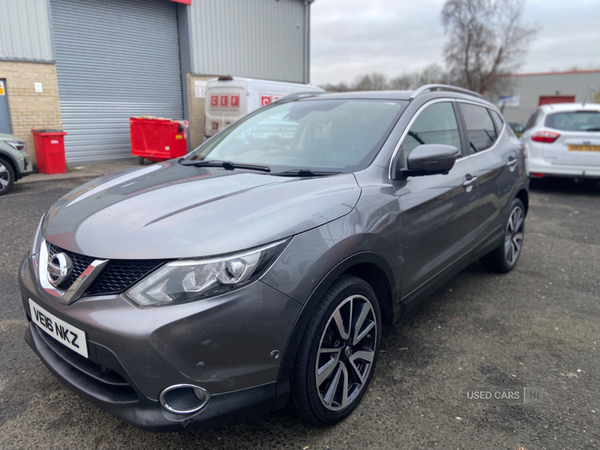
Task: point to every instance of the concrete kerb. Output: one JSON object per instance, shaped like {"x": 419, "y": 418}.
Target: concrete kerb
{"x": 87, "y": 171}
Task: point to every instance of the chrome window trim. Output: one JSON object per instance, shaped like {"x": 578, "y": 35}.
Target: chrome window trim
{"x": 447, "y": 99}
{"x": 410, "y": 123}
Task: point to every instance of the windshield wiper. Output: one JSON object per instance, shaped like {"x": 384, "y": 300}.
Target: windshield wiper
{"x": 305, "y": 173}
{"x": 593, "y": 129}
{"x": 227, "y": 165}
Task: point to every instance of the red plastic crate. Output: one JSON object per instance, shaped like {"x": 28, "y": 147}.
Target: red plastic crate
{"x": 158, "y": 139}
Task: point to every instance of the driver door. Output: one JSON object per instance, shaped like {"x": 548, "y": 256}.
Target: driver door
{"x": 437, "y": 212}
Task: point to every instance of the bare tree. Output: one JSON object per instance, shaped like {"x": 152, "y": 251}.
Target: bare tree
{"x": 486, "y": 38}
{"x": 372, "y": 82}
{"x": 434, "y": 73}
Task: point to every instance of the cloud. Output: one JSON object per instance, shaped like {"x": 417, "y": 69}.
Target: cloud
{"x": 351, "y": 37}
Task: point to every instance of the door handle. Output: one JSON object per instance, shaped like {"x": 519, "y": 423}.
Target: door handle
{"x": 512, "y": 162}
{"x": 470, "y": 181}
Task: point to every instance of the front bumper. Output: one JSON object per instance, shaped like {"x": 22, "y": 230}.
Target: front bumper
{"x": 25, "y": 165}
{"x": 134, "y": 353}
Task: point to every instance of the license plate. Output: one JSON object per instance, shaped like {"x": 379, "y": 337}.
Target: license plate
{"x": 584, "y": 148}
{"x": 65, "y": 333}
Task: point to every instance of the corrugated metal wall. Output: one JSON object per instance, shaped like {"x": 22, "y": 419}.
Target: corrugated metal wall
{"x": 25, "y": 30}
{"x": 250, "y": 38}
{"x": 114, "y": 60}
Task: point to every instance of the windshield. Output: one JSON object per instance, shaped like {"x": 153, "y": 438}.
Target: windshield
{"x": 335, "y": 135}
{"x": 574, "y": 121}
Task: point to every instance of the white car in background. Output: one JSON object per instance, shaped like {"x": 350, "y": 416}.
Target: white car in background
{"x": 564, "y": 140}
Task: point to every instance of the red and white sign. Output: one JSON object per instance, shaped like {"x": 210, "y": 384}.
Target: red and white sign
{"x": 235, "y": 101}
{"x": 214, "y": 100}
{"x": 224, "y": 100}
{"x": 265, "y": 99}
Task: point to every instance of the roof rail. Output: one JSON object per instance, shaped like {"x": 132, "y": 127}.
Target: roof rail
{"x": 443, "y": 87}
{"x": 297, "y": 95}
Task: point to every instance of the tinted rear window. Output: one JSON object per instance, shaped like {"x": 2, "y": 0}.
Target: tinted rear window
{"x": 480, "y": 127}
{"x": 533, "y": 120}
{"x": 574, "y": 121}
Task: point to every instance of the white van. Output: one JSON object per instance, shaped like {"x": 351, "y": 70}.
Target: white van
{"x": 229, "y": 99}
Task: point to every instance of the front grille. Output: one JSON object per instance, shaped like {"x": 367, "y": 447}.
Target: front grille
{"x": 121, "y": 274}
{"x": 117, "y": 276}
{"x": 80, "y": 263}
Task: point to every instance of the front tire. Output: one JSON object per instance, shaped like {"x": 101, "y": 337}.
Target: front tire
{"x": 7, "y": 177}
{"x": 338, "y": 353}
{"x": 504, "y": 258}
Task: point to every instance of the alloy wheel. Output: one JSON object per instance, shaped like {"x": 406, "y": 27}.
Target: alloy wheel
{"x": 4, "y": 177}
{"x": 346, "y": 353}
{"x": 513, "y": 239}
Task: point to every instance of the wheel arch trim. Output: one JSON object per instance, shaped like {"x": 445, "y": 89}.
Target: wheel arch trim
{"x": 11, "y": 160}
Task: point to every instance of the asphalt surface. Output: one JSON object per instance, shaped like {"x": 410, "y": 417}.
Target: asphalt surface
{"x": 537, "y": 327}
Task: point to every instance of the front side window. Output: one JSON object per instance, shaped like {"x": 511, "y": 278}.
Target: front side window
{"x": 339, "y": 135}
{"x": 480, "y": 128}
{"x": 436, "y": 124}
{"x": 574, "y": 121}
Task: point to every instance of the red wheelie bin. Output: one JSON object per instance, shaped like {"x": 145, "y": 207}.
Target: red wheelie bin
{"x": 50, "y": 150}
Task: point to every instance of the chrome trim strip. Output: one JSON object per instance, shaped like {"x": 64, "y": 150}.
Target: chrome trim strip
{"x": 438, "y": 100}
{"x": 412, "y": 120}
{"x": 77, "y": 288}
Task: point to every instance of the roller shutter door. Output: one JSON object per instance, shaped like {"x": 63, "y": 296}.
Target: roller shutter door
{"x": 115, "y": 59}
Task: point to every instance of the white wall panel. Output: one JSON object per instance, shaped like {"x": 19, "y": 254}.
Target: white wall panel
{"x": 250, "y": 38}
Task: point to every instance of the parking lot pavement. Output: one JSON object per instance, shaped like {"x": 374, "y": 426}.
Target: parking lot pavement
{"x": 537, "y": 327}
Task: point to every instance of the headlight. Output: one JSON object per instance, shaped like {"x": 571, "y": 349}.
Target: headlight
{"x": 189, "y": 280}
{"x": 17, "y": 145}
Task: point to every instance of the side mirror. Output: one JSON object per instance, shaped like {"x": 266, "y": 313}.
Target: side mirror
{"x": 430, "y": 159}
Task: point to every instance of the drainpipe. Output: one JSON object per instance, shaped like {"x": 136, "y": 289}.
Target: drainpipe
{"x": 307, "y": 40}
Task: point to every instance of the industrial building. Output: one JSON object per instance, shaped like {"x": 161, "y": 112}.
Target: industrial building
{"x": 527, "y": 91}
{"x": 87, "y": 66}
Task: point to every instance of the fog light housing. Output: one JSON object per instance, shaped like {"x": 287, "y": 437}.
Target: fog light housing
{"x": 184, "y": 398}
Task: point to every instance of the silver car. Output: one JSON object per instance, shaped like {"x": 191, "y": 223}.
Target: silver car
{"x": 261, "y": 269}
{"x": 14, "y": 161}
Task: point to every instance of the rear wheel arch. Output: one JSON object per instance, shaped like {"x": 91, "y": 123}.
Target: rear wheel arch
{"x": 523, "y": 195}
{"x": 369, "y": 266}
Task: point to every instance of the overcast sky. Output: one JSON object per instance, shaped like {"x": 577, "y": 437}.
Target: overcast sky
{"x": 354, "y": 37}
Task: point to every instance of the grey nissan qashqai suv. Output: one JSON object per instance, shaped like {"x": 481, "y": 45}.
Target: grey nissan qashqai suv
{"x": 260, "y": 270}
